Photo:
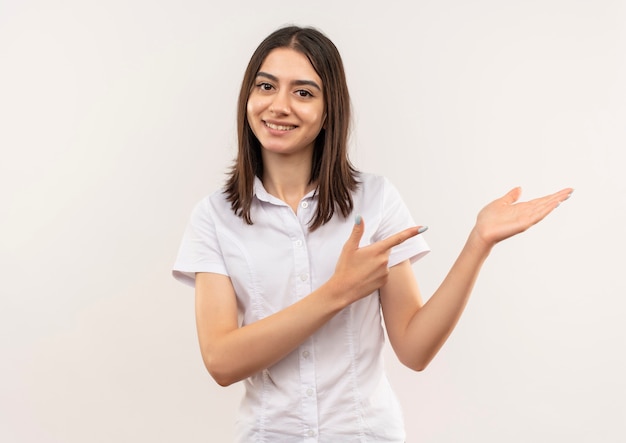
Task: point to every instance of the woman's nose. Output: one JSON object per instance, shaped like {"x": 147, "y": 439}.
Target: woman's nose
{"x": 280, "y": 104}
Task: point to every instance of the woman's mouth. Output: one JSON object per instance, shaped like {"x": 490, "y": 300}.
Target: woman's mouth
{"x": 278, "y": 127}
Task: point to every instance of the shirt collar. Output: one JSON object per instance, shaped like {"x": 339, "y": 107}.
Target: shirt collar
{"x": 263, "y": 195}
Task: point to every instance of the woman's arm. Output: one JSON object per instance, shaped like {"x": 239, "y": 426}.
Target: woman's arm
{"x": 232, "y": 353}
{"x": 417, "y": 331}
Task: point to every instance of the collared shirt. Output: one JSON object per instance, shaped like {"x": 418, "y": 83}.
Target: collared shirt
{"x": 332, "y": 388}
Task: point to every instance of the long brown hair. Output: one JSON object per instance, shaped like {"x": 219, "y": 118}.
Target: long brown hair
{"x": 331, "y": 168}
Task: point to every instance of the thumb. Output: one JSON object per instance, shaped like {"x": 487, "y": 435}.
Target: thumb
{"x": 512, "y": 196}
{"x": 357, "y": 232}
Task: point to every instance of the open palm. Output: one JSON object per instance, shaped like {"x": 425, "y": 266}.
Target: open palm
{"x": 505, "y": 217}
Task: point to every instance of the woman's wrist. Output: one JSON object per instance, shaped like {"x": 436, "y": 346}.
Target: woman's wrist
{"x": 338, "y": 292}
{"x": 478, "y": 243}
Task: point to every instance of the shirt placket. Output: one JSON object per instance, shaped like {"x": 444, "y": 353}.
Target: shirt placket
{"x": 308, "y": 385}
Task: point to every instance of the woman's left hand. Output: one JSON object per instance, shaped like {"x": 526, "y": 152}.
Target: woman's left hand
{"x": 505, "y": 217}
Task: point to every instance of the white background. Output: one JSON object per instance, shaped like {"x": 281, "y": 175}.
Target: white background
{"x": 116, "y": 117}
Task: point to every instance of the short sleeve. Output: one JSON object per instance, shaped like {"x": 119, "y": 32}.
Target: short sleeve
{"x": 199, "y": 250}
{"x": 395, "y": 218}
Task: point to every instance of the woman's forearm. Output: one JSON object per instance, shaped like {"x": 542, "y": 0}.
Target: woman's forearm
{"x": 241, "y": 352}
{"x": 433, "y": 323}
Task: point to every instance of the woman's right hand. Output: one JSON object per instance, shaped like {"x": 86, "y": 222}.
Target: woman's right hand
{"x": 361, "y": 271}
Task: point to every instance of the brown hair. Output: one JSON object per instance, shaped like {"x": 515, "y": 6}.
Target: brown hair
{"x": 331, "y": 167}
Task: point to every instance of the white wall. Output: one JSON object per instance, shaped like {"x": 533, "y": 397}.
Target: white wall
{"x": 117, "y": 116}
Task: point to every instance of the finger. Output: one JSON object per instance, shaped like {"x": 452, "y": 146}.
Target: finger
{"x": 401, "y": 237}
{"x": 357, "y": 232}
{"x": 512, "y": 196}
{"x": 563, "y": 194}
{"x": 554, "y": 199}
{"x": 545, "y": 205}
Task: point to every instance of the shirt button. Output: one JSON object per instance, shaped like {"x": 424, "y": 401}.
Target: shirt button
{"x": 306, "y": 354}
{"x": 304, "y": 204}
{"x": 310, "y": 433}
{"x": 304, "y": 277}
{"x": 309, "y": 392}
{"x": 298, "y": 243}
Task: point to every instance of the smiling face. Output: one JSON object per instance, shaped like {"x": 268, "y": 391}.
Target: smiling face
{"x": 285, "y": 107}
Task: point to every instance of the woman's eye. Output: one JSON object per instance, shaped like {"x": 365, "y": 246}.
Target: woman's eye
{"x": 264, "y": 86}
{"x": 303, "y": 93}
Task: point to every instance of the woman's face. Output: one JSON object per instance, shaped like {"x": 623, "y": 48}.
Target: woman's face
{"x": 286, "y": 105}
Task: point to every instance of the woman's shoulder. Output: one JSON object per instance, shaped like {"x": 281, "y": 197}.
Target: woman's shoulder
{"x": 369, "y": 181}
{"x": 215, "y": 201}
{"x": 216, "y": 196}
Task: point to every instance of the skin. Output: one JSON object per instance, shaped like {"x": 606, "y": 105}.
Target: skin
{"x": 416, "y": 330}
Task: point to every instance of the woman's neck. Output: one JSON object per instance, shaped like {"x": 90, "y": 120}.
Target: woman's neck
{"x": 287, "y": 178}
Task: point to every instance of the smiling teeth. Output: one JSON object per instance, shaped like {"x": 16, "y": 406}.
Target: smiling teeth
{"x": 279, "y": 127}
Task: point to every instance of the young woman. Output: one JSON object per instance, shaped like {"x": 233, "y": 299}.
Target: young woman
{"x": 295, "y": 259}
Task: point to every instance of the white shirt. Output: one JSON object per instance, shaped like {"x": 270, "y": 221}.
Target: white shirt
{"x": 332, "y": 388}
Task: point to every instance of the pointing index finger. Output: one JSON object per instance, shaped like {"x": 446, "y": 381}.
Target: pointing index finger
{"x": 402, "y": 236}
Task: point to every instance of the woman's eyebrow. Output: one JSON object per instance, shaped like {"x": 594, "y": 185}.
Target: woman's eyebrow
{"x": 295, "y": 82}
